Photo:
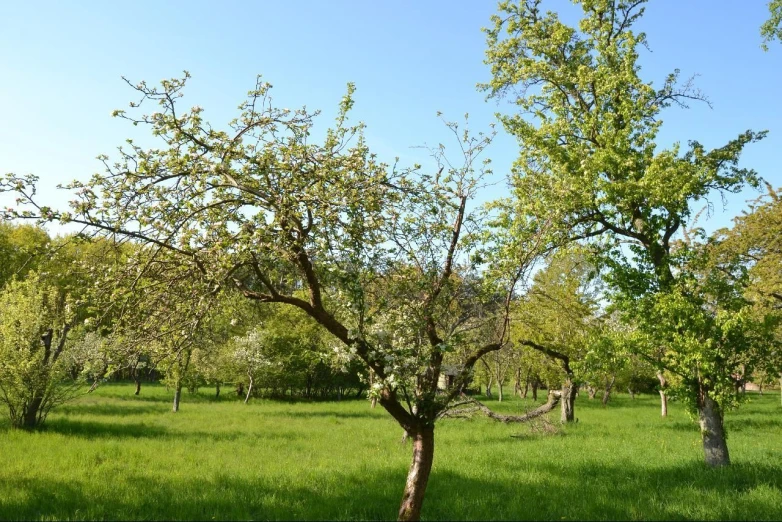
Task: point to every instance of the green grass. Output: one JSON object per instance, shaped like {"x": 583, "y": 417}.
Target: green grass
{"x": 111, "y": 455}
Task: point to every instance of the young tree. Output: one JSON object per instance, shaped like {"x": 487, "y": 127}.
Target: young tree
{"x": 587, "y": 130}
{"x": 35, "y": 320}
{"x": 375, "y": 255}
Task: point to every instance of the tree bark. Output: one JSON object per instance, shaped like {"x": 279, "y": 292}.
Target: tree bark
{"x": 663, "y": 396}
{"x": 607, "y": 391}
{"x": 715, "y": 447}
{"x": 30, "y": 418}
{"x": 568, "y": 401}
{"x": 177, "y": 395}
{"x": 418, "y": 476}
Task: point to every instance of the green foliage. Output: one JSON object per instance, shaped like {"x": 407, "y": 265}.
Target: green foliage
{"x": 35, "y": 319}
{"x": 772, "y": 28}
{"x": 587, "y": 128}
{"x": 22, "y": 248}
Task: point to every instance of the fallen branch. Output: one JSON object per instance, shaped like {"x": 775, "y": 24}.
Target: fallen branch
{"x": 553, "y": 400}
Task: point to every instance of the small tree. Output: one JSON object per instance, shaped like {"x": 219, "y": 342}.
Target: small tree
{"x": 35, "y": 320}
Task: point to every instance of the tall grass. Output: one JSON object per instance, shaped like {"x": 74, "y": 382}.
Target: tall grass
{"x": 112, "y": 455}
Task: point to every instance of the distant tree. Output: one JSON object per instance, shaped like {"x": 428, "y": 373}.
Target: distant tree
{"x": 556, "y": 318}
{"x": 22, "y": 248}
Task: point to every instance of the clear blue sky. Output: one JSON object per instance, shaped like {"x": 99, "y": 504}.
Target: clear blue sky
{"x": 61, "y": 62}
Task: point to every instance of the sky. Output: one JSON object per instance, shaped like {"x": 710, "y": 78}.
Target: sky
{"x": 61, "y": 68}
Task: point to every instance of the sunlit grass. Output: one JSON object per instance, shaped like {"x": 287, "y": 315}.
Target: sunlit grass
{"x": 111, "y": 455}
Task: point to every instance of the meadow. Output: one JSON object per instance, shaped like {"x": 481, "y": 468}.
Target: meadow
{"x": 112, "y": 455}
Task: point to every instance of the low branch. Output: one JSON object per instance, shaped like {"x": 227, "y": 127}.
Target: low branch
{"x": 553, "y": 400}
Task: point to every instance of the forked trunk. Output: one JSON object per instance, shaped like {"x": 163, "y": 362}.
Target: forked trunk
{"x": 418, "y": 476}
{"x": 568, "y": 401}
{"x": 715, "y": 446}
{"x": 663, "y": 396}
{"x": 30, "y": 418}
{"x": 177, "y": 395}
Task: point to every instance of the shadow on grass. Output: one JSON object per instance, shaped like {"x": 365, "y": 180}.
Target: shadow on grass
{"x": 108, "y": 409}
{"x": 542, "y": 491}
{"x": 93, "y": 430}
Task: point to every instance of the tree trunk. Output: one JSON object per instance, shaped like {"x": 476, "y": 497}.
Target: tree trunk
{"x": 535, "y": 390}
{"x": 418, "y": 476}
{"x": 30, "y": 418}
{"x": 568, "y": 401}
{"x": 715, "y": 446}
{"x": 488, "y": 386}
{"x": 632, "y": 393}
{"x": 249, "y": 390}
{"x": 499, "y": 390}
{"x": 217, "y": 390}
{"x": 592, "y": 391}
{"x": 517, "y": 383}
{"x": 177, "y": 395}
{"x": 607, "y": 392}
{"x": 663, "y": 396}
{"x": 240, "y": 389}
{"x": 137, "y": 381}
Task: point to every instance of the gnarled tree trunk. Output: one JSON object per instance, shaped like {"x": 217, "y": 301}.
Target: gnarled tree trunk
{"x": 418, "y": 476}
{"x": 568, "y": 401}
{"x": 715, "y": 447}
{"x": 663, "y": 396}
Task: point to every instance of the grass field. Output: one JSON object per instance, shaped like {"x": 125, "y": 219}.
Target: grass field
{"x": 111, "y": 455}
